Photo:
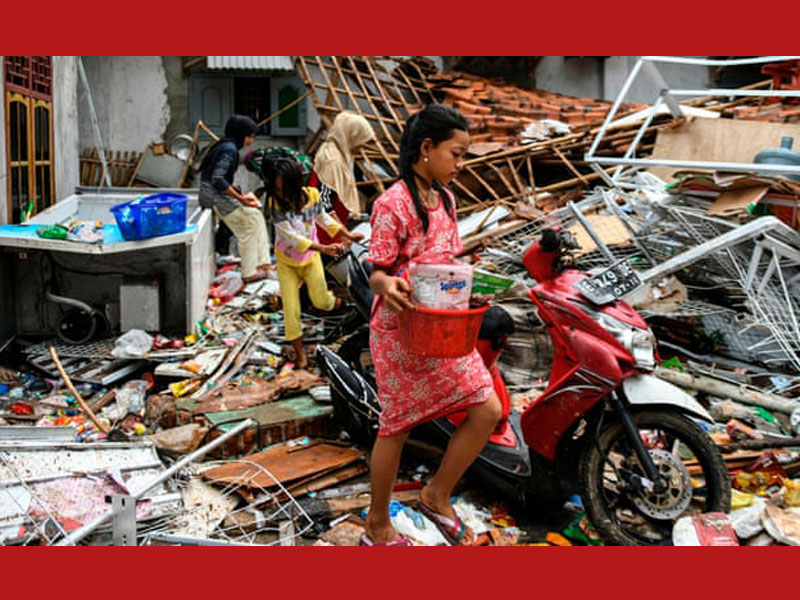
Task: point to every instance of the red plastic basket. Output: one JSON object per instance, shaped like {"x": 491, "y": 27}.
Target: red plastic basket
{"x": 440, "y": 333}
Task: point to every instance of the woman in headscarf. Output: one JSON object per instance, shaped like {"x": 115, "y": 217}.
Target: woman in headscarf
{"x": 333, "y": 167}
{"x": 240, "y": 212}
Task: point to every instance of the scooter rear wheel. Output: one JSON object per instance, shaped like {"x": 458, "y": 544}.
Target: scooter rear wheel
{"x": 609, "y": 471}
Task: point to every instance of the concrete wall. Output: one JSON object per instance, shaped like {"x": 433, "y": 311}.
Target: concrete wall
{"x": 130, "y": 99}
{"x": 644, "y": 89}
{"x": 574, "y": 76}
{"x": 592, "y": 77}
{"x": 65, "y": 125}
{"x": 177, "y": 97}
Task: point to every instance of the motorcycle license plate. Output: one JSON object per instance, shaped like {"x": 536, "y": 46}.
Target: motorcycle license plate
{"x": 612, "y": 284}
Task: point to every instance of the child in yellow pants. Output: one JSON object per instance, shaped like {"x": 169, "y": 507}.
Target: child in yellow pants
{"x": 295, "y": 211}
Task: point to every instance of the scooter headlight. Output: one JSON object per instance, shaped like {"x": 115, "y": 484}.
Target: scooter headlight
{"x": 639, "y": 342}
{"x": 643, "y": 349}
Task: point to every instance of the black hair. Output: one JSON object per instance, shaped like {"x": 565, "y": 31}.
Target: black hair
{"x": 280, "y": 166}
{"x": 238, "y": 127}
{"x": 437, "y": 123}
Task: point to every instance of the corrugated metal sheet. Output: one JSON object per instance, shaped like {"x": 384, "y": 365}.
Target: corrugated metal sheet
{"x": 261, "y": 63}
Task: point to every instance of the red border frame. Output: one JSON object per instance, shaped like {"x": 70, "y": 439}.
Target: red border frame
{"x": 431, "y": 28}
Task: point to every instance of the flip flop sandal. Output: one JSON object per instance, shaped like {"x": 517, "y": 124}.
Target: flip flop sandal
{"x": 453, "y": 530}
{"x": 398, "y": 541}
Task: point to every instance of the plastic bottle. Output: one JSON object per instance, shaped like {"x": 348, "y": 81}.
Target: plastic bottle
{"x": 226, "y": 286}
{"x": 53, "y": 232}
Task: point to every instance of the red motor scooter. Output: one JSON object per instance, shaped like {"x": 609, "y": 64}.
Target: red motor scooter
{"x": 605, "y": 427}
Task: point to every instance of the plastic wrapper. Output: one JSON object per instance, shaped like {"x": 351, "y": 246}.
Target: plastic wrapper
{"x": 782, "y": 525}
{"x": 556, "y": 539}
{"x": 747, "y": 521}
{"x": 705, "y": 529}
{"x": 130, "y": 399}
{"x": 760, "y": 482}
{"x": 441, "y": 286}
{"x": 489, "y": 284}
{"x": 581, "y": 530}
{"x": 738, "y": 431}
{"x": 414, "y": 525}
{"x": 791, "y": 496}
{"x": 133, "y": 344}
{"x": 86, "y": 232}
{"x": 226, "y": 286}
{"x": 741, "y": 499}
{"x": 794, "y": 420}
{"x": 183, "y": 439}
{"x": 762, "y": 539}
{"x": 53, "y": 232}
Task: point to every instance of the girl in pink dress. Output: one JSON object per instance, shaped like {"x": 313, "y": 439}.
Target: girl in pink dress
{"x": 415, "y": 219}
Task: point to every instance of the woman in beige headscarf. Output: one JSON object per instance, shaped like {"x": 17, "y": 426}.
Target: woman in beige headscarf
{"x": 333, "y": 166}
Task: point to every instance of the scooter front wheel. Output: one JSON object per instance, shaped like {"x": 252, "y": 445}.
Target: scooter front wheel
{"x": 618, "y": 498}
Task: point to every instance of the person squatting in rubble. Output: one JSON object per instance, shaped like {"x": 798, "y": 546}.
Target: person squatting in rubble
{"x": 295, "y": 211}
{"x": 333, "y": 167}
{"x": 415, "y": 219}
{"x": 240, "y": 212}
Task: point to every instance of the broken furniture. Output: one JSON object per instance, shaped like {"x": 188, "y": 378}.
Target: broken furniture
{"x": 50, "y": 488}
{"x": 115, "y": 278}
{"x": 668, "y": 97}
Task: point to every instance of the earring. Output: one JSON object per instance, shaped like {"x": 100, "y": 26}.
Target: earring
{"x": 425, "y": 159}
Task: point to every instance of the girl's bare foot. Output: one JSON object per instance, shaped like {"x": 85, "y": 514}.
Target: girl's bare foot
{"x": 300, "y": 357}
{"x": 379, "y": 530}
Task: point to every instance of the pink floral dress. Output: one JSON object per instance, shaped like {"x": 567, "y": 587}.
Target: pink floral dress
{"x": 413, "y": 389}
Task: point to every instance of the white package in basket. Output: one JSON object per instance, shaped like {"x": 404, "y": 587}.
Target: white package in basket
{"x": 441, "y": 286}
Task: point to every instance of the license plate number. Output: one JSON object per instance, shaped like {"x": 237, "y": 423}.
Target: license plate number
{"x": 612, "y": 284}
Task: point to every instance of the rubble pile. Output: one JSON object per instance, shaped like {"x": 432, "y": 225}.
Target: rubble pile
{"x": 219, "y": 440}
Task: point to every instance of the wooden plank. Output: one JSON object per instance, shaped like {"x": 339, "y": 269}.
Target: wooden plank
{"x": 357, "y": 109}
{"x": 531, "y": 178}
{"x": 569, "y": 165}
{"x": 84, "y": 162}
{"x": 116, "y": 168}
{"x": 379, "y": 85}
{"x": 190, "y": 157}
{"x": 136, "y": 170}
{"x": 389, "y": 136}
{"x": 305, "y": 74}
{"x": 328, "y": 480}
{"x": 480, "y": 179}
{"x": 93, "y": 168}
{"x": 351, "y": 92}
{"x": 331, "y": 84}
{"x": 299, "y": 408}
{"x": 468, "y": 192}
{"x": 410, "y": 86}
{"x": 501, "y": 175}
{"x": 722, "y": 140}
{"x": 340, "y": 506}
{"x": 284, "y": 466}
{"x": 284, "y": 109}
{"x": 332, "y": 109}
{"x": 474, "y": 240}
{"x": 515, "y": 174}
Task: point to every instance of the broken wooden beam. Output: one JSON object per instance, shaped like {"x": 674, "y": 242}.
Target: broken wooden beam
{"x": 723, "y": 389}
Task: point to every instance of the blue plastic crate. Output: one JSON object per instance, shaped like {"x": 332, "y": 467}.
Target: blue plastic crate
{"x": 151, "y": 216}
